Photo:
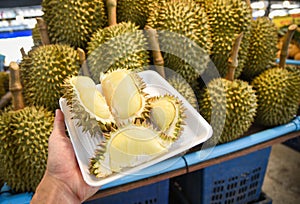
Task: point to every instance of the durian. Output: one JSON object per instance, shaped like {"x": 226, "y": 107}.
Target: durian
{"x": 278, "y": 91}
{"x": 73, "y": 22}
{"x": 227, "y": 19}
{"x": 124, "y": 93}
{"x": 128, "y": 146}
{"x": 87, "y": 105}
{"x": 263, "y": 48}
{"x": 24, "y": 136}
{"x": 118, "y": 46}
{"x": 3, "y": 83}
{"x": 43, "y": 71}
{"x": 36, "y": 37}
{"x": 167, "y": 114}
{"x": 228, "y": 104}
{"x": 184, "y": 37}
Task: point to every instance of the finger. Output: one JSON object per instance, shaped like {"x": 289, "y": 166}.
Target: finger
{"x": 58, "y": 125}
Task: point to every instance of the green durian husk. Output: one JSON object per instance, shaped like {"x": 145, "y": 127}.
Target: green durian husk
{"x": 229, "y": 107}
{"x": 227, "y": 19}
{"x": 184, "y": 37}
{"x": 118, "y": 46}
{"x": 43, "y": 72}
{"x": 278, "y": 96}
{"x": 24, "y": 146}
{"x": 263, "y": 48}
{"x": 73, "y": 22}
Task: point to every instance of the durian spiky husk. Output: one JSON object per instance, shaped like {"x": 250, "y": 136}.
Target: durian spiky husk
{"x": 124, "y": 93}
{"x": 119, "y": 46}
{"x": 87, "y": 105}
{"x": 228, "y": 18}
{"x": 43, "y": 72}
{"x": 230, "y": 108}
{"x": 73, "y": 22}
{"x": 36, "y": 37}
{"x": 278, "y": 96}
{"x": 263, "y": 48}
{"x": 184, "y": 36}
{"x": 24, "y": 146}
{"x": 167, "y": 114}
{"x": 128, "y": 146}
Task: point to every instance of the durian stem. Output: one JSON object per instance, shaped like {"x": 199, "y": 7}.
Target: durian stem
{"x": 158, "y": 60}
{"x": 5, "y": 100}
{"x": 23, "y": 53}
{"x": 112, "y": 12}
{"x": 82, "y": 58}
{"x": 43, "y": 31}
{"x": 233, "y": 59}
{"x": 15, "y": 86}
{"x": 285, "y": 46}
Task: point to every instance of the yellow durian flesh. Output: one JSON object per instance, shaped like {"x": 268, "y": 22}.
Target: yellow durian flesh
{"x": 90, "y": 97}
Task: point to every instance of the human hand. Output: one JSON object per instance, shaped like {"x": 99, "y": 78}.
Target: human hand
{"x": 62, "y": 181}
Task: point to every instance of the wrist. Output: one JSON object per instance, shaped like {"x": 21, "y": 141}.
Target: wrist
{"x": 52, "y": 190}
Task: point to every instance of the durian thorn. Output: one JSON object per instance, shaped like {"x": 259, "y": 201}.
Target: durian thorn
{"x": 43, "y": 31}
{"x": 82, "y": 58}
{"x": 15, "y": 86}
{"x": 158, "y": 60}
{"x": 23, "y": 53}
{"x": 112, "y": 12}
{"x": 285, "y": 46}
{"x": 233, "y": 59}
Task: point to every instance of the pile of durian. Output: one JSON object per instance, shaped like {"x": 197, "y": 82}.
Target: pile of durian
{"x": 238, "y": 87}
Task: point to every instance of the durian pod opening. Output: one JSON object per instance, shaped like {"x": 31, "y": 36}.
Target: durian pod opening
{"x": 15, "y": 86}
{"x": 233, "y": 59}
{"x": 285, "y": 46}
{"x": 43, "y": 31}
{"x": 158, "y": 60}
{"x": 111, "y": 12}
{"x": 82, "y": 58}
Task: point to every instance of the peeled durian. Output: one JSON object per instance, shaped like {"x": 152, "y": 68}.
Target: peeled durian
{"x": 184, "y": 37}
{"x": 124, "y": 94}
{"x": 227, "y": 19}
{"x": 121, "y": 45}
{"x": 88, "y": 105}
{"x": 167, "y": 114}
{"x": 128, "y": 146}
{"x": 278, "y": 90}
{"x": 263, "y": 48}
{"x": 43, "y": 71}
{"x": 229, "y": 105}
{"x": 24, "y": 134}
{"x": 73, "y": 22}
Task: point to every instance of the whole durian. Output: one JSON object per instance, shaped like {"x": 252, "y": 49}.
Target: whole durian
{"x": 73, "y": 22}
{"x": 24, "y": 136}
{"x": 184, "y": 37}
{"x": 228, "y": 104}
{"x": 227, "y": 19}
{"x": 118, "y": 46}
{"x": 263, "y": 48}
{"x": 43, "y": 71}
{"x": 278, "y": 90}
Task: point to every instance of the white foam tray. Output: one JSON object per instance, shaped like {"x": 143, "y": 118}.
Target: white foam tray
{"x": 196, "y": 131}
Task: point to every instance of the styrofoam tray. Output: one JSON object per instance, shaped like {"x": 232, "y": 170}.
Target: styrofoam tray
{"x": 196, "y": 131}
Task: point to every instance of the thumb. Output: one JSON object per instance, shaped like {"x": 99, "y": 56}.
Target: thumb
{"x": 59, "y": 125}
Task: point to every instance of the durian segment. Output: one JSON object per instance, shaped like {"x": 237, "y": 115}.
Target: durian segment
{"x": 43, "y": 72}
{"x": 184, "y": 36}
{"x": 24, "y": 146}
{"x": 167, "y": 114}
{"x": 278, "y": 96}
{"x": 263, "y": 48}
{"x": 73, "y": 22}
{"x": 129, "y": 146}
{"x": 88, "y": 105}
{"x": 118, "y": 46}
{"x": 123, "y": 91}
{"x": 230, "y": 108}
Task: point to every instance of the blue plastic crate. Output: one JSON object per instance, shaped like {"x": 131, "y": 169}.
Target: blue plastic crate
{"x": 157, "y": 193}
{"x": 263, "y": 199}
{"x": 234, "y": 181}
{"x": 2, "y": 58}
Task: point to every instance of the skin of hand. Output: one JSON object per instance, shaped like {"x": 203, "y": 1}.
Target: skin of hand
{"x": 62, "y": 181}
